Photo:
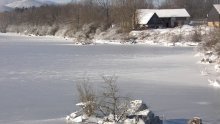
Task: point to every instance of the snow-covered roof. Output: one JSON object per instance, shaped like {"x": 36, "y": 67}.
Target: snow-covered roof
{"x": 217, "y": 7}
{"x": 165, "y": 13}
{"x": 144, "y": 18}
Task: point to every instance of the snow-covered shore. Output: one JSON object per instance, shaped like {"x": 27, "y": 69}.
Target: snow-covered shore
{"x": 210, "y": 67}
{"x": 49, "y": 38}
{"x": 19, "y": 37}
{"x": 166, "y": 37}
{"x": 161, "y": 37}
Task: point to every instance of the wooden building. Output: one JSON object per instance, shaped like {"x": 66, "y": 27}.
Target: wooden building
{"x": 214, "y": 16}
{"x": 161, "y": 18}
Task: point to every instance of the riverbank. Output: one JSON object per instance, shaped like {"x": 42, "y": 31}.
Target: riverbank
{"x": 179, "y": 36}
{"x": 210, "y": 67}
{"x": 209, "y": 52}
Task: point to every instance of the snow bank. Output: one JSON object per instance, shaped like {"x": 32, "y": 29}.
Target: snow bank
{"x": 88, "y": 34}
{"x": 165, "y": 36}
{"x": 210, "y": 59}
{"x": 217, "y": 67}
{"x": 214, "y": 83}
{"x": 33, "y": 30}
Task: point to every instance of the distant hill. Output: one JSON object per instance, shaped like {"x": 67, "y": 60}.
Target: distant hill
{"x": 49, "y": 3}
{"x": 5, "y": 8}
{"x": 28, "y": 4}
{"x": 24, "y": 4}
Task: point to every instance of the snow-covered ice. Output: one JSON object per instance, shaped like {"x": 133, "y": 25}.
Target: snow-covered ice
{"x": 204, "y": 72}
{"x": 38, "y": 77}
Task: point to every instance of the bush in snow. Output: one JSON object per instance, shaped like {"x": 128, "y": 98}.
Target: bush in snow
{"x": 111, "y": 102}
{"x": 109, "y": 106}
{"x": 176, "y": 38}
{"x": 52, "y": 30}
{"x": 86, "y": 96}
{"x": 86, "y": 33}
{"x": 196, "y": 36}
{"x": 211, "y": 40}
{"x": 211, "y": 47}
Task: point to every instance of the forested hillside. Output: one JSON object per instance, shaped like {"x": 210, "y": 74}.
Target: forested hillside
{"x": 77, "y": 14}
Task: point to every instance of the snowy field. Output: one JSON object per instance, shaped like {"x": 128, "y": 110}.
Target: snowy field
{"x": 38, "y": 77}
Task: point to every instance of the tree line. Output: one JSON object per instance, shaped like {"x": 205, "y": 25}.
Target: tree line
{"x": 102, "y": 12}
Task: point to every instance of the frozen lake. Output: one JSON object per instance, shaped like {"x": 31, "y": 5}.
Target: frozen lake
{"x": 38, "y": 77}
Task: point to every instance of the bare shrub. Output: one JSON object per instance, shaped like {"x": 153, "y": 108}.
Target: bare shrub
{"x": 217, "y": 40}
{"x": 176, "y": 38}
{"x": 87, "y": 96}
{"x": 196, "y": 36}
{"x": 211, "y": 41}
{"x": 109, "y": 104}
{"x": 53, "y": 30}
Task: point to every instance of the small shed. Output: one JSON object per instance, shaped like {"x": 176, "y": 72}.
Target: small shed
{"x": 162, "y": 17}
{"x": 148, "y": 20}
{"x": 214, "y": 16}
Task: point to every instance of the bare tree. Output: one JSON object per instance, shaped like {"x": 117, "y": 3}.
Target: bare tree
{"x": 105, "y": 4}
{"x": 79, "y": 13}
{"x": 111, "y": 102}
{"x": 4, "y": 22}
{"x": 197, "y": 35}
